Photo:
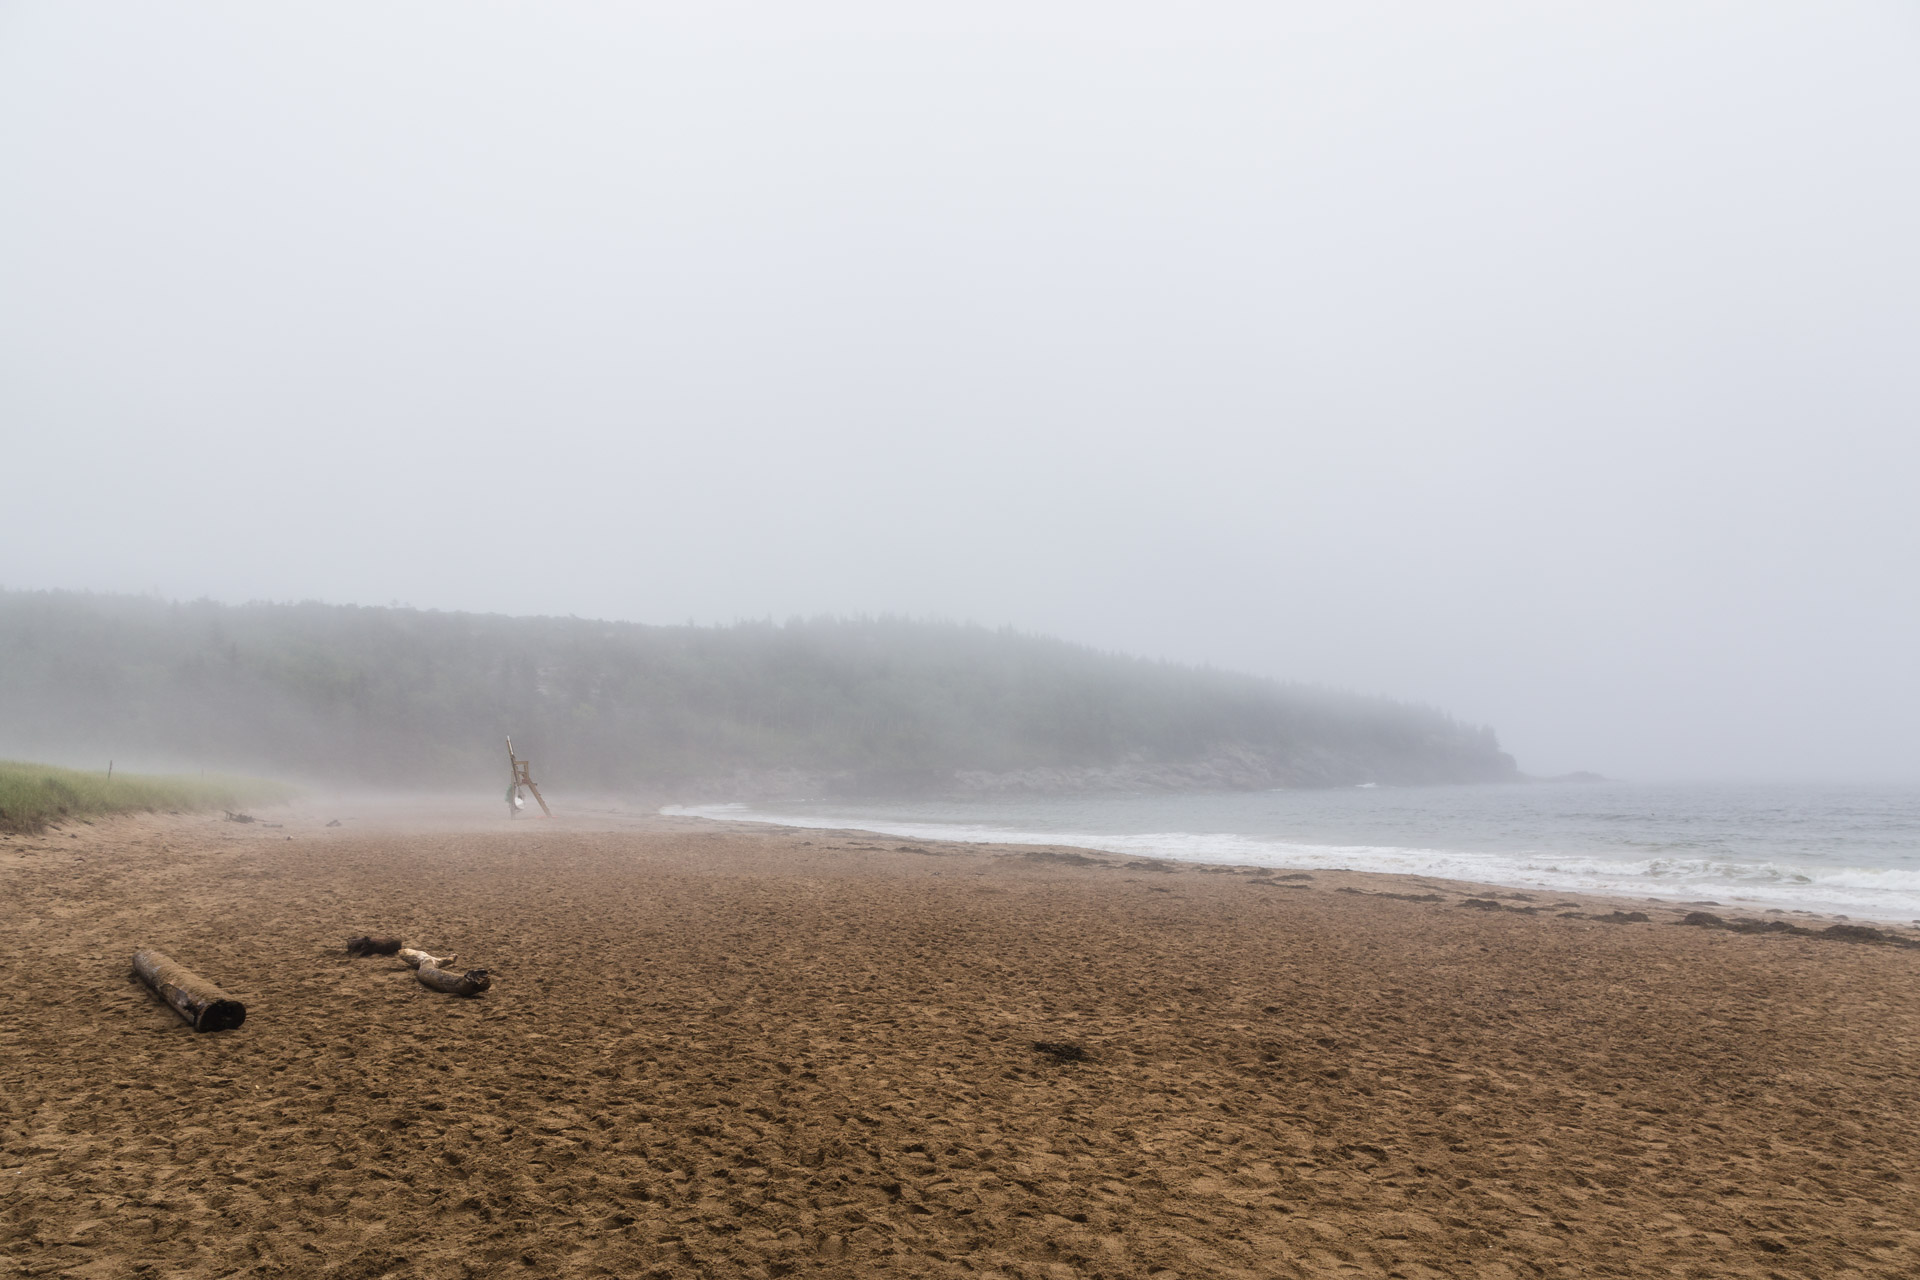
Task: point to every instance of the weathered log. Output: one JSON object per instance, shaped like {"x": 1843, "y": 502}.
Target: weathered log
{"x": 413, "y": 959}
{"x": 373, "y": 946}
{"x": 470, "y": 983}
{"x": 204, "y": 1006}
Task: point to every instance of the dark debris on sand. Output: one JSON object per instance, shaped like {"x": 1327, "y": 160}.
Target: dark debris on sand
{"x": 1832, "y": 933}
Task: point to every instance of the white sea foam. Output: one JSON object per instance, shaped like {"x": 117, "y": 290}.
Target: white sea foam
{"x": 1861, "y": 892}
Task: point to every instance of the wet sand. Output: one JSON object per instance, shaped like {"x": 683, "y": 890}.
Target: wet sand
{"x": 729, "y": 1050}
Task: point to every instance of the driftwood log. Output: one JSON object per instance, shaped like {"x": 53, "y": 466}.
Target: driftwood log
{"x": 373, "y": 946}
{"x": 470, "y": 983}
{"x": 413, "y": 959}
{"x": 204, "y": 1006}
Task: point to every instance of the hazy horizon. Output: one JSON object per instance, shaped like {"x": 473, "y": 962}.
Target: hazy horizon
{"x": 1550, "y": 367}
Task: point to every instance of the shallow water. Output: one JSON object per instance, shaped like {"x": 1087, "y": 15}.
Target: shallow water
{"x": 1851, "y": 850}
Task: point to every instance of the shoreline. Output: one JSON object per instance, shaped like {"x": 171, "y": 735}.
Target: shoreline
{"x": 1316, "y": 860}
{"x": 1392, "y": 885}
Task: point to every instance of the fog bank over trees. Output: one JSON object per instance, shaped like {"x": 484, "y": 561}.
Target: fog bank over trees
{"x": 404, "y": 697}
{"x": 1547, "y": 363}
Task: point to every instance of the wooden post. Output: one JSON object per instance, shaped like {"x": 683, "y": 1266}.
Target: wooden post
{"x": 204, "y": 1006}
{"x": 513, "y": 787}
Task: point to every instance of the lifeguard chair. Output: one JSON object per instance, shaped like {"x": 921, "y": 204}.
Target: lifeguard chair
{"x": 522, "y": 778}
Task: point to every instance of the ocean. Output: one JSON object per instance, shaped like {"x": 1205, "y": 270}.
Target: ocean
{"x": 1835, "y": 849}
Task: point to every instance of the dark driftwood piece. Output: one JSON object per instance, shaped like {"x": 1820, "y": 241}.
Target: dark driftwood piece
{"x": 373, "y": 946}
{"x": 470, "y": 983}
{"x": 204, "y": 1006}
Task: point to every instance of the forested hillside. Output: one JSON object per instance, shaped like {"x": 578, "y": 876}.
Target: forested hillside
{"x": 407, "y": 697}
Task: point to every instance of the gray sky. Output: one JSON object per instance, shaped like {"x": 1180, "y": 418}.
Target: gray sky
{"x": 1551, "y": 363}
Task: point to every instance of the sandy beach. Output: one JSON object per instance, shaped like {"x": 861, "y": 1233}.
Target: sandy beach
{"x": 720, "y": 1050}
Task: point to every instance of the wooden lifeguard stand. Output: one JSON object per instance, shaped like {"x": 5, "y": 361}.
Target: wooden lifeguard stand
{"x": 522, "y": 777}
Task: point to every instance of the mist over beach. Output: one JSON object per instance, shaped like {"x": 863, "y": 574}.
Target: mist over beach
{"x": 1046, "y": 641}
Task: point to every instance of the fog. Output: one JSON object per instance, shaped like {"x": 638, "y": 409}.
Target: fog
{"x": 1550, "y": 364}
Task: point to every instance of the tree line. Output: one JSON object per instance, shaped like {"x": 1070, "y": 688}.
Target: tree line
{"x": 424, "y": 698}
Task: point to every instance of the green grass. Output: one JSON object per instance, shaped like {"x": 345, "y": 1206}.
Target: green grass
{"x": 34, "y": 795}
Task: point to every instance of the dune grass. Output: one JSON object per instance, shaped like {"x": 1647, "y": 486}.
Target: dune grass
{"x": 34, "y": 795}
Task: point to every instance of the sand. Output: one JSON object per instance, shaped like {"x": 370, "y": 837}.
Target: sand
{"x": 728, "y": 1050}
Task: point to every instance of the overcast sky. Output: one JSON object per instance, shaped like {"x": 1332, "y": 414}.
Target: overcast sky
{"x": 1556, "y": 364}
